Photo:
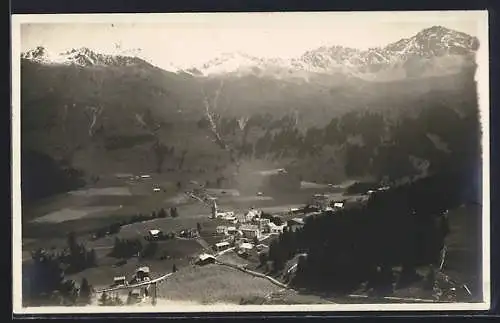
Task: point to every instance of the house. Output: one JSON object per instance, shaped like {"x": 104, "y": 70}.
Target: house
{"x": 295, "y": 223}
{"x": 205, "y": 259}
{"x": 145, "y": 176}
{"x": 276, "y": 229}
{"x": 252, "y": 214}
{"x": 250, "y": 231}
{"x": 338, "y": 205}
{"x": 263, "y": 225}
{"x": 231, "y": 231}
{"x": 229, "y": 216}
{"x": 154, "y": 234}
{"x": 221, "y": 229}
{"x": 156, "y": 189}
{"x": 119, "y": 281}
{"x": 246, "y": 246}
{"x": 221, "y": 246}
{"x": 142, "y": 273}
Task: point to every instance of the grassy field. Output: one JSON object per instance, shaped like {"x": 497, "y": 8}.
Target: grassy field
{"x": 214, "y": 284}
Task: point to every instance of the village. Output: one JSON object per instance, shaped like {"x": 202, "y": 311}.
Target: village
{"x": 247, "y": 235}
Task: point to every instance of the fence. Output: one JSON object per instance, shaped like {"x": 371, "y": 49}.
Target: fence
{"x": 150, "y": 283}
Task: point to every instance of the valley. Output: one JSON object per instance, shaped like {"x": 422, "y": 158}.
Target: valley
{"x": 338, "y": 176}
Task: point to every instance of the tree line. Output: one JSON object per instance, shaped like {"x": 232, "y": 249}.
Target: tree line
{"x": 115, "y": 227}
{"x": 366, "y": 142}
{"x": 404, "y": 226}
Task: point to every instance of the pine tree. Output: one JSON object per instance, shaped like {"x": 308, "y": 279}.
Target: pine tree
{"x": 162, "y": 213}
{"x": 91, "y": 258}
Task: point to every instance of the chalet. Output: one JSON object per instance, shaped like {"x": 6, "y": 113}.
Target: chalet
{"x": 276, "y": 229}
{"x": 221, "y": 229}
{"x": 221, "y": 246}
{"x": 119, "y": 281}
{"x": 205, "y": 259}
{"x": 338, "y": 205}
{"x": 246, "y": 246}
{"x": 250, "y": 231}
{"x": 154, "y": 234}
{"x": 142, "y": 273}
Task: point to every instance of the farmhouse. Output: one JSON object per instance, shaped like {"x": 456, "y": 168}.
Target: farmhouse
{"x": 276, "y": 229}
{"x": 221, "y": 246}
{"x": 338, "y": 205}
{"x": 205, "y": 259}
{"x": 246, "y": 246}
{"x": 142, "y": 273}
{"x": 154, "y": 234}
{"x": 221, "y": 229}
{"x": 250, "y": 231}
{"x": 231, "y": 231}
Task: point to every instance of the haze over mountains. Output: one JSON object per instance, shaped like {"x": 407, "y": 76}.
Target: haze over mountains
{"x": 436, "y": 47}
{"x": 102, "y": 112}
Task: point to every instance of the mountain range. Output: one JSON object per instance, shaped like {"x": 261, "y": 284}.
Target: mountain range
{"x": 115, "y": 112}
{"x": 433, "y": 51}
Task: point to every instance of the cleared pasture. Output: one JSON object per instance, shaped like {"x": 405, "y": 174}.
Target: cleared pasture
{"x": 119, "y": 190}
{"x": 74, "y": 214}
{"x": 214, "y": 284}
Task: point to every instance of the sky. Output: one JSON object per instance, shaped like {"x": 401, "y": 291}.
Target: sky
{"x": 191, "y": 39}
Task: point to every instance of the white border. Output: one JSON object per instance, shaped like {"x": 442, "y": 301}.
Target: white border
{"x": 482, "y": 78}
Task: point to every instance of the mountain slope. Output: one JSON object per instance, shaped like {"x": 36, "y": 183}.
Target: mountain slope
{"x": 105, "y": 113}
{"x": 429, "y": 48}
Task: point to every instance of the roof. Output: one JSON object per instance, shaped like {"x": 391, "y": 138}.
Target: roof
{"x": 219, "y": 244}
{"x": 231, "y": 228}
{"x": 119, "y": 278}
{"x": 246, "y": 245}
{"x": 298, "y": 220}
{"x": 144, "y": 269}
{"x": 154, "y": 231}
{"x": 206, "y": 256}
{"x": 249, "y": 228}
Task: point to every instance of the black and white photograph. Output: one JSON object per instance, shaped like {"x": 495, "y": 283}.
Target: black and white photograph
{"x": 250, "y": 162}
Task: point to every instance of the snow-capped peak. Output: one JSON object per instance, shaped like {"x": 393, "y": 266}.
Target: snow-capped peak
{"x": 82, "y": 56}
